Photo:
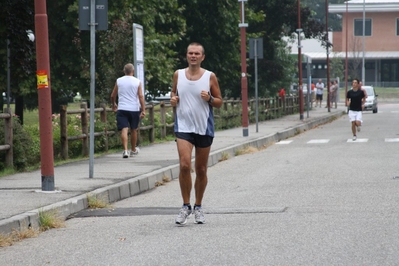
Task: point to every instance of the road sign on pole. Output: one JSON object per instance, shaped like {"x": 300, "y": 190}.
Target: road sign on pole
{"x": 92, "y": 16}
{"x": 101, "y": 14}
{"x": 138, "y": 53}
{"x": 255, "y": 52}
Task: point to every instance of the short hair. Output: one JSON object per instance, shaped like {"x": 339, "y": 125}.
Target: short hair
{"x": 197, "y": 44}
{"x": 357, "y": 80}
{"x": 128, "y": 69}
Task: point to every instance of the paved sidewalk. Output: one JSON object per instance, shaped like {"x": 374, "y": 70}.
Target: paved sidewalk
{"x": 116, "y": 178}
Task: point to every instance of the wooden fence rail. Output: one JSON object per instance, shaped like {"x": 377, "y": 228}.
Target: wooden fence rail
{"x": 8, "y": 136}
{"x": 268, "y": 107}
{"x": 84, "y": 113}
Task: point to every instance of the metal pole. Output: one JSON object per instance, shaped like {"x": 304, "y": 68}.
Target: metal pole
{"x": 299, "y": 30}
{"x": 346, "y": 53}
{"x": 8, "y": 73}
{"x": 309, "y": 86}
{"x": 92, "y": 82}
{"x": 328, "y": 60}
{"x": 364, "y": 33}
{"x": 256, "y": 82}
{"x": 44, "y": 95}
{"x": 244, "y": 81}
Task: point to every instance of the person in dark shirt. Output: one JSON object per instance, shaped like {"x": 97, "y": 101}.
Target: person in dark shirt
{"x": 355, "y": 99}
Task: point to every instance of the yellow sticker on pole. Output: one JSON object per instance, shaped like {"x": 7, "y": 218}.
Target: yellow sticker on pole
{"x": 42, "y": 80}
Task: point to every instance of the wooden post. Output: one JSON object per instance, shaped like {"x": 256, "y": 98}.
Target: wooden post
{"x": 151, "y": 132}
{"x": 64, "y": 132}
{"x": 8, "y": 137}
{"x": 163, "y": 120}
{"x": 104, "y": 120}
{"x": 85, "y": 130}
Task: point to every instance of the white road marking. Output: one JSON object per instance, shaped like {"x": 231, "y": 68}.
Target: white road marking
{"x": 392, "y": 140}
{"x": 358, "y": 140}
{"x": 317, "y": 141}
{"x": 284, "y": 142}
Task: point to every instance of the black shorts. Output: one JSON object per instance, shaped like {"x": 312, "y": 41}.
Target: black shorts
{"x": 200, "y": 141}
{"x": 319, "y": 96}
{"x": 128, "y": 119}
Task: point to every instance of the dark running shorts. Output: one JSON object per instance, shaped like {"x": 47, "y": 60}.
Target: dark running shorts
{"x": 199, "y": 141}
{"x": 319, "y": 96}
{"x": 128, "y": 119}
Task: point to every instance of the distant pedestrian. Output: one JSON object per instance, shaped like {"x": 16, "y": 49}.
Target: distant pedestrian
{"x": 319, "y": 92}
{"x": 313, "y": 94}
{"x": 334, "y": 93}
{"x": 195, "y": 92}
{"x": 130, "y": 108}
{"x": 281, "y": 93}
{"x": 355, "y": 99}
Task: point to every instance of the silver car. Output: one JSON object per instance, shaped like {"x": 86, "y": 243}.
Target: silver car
{"x": 371, "y": 103}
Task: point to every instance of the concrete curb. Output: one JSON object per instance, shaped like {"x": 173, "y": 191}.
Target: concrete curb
{"x": 145, "y": 182}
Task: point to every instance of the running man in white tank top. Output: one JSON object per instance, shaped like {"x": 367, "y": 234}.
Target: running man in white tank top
{"x": 195, "y": 92}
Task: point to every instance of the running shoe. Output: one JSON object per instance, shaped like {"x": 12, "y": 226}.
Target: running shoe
{"x": 358, "y": 128}
{"x": 184, "y": 213}
{"x": 135, "y": 152}
{"x": 354, "y": 138}
{"x": 125, "y": 154}
{"x": 199, "y": 215}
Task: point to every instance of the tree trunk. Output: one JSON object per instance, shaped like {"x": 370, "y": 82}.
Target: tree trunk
{"x": 19, "y": 108}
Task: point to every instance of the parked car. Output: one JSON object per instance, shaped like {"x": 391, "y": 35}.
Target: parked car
{"x": 156, "y": 100}
{"x": 371, "y": 103}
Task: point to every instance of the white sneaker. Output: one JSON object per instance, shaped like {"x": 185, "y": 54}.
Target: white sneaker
{"x": 354, "y": 138}
{"x": 358, "y": 128}
{"x": 125, "y": 154}
{"x": 134, "y": 153}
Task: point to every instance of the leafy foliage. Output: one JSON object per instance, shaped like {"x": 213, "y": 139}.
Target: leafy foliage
{"x": 169, "y": 26}
{"x": 23, "y": 157}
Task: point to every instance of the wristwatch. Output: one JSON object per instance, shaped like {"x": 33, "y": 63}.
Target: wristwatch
{"x": 211, "y": 98}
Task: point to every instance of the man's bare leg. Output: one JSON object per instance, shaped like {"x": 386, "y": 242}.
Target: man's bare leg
{"x": 201, "y": 167}
{"x": 133, "y": 138}
{"x": 185, "y": 149}
{"x": 124, "y": 132}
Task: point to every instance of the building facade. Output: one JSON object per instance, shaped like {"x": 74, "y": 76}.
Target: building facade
{"x": 372, "y": 54}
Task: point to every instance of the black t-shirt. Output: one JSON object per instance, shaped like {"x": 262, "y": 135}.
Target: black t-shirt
{"x": 356, "y": 99}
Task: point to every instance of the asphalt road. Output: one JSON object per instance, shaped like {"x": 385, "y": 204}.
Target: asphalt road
{"x": 315, "y": 199}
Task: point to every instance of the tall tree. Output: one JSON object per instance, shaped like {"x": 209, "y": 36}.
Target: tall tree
{"x": 16, "y": 18}
{"x": 214, "y": 24}
{"x": 163, "y": 26}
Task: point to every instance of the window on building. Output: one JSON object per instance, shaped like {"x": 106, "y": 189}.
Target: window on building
{"x": 397, "y": 27}
{"x": 359, "y": 27}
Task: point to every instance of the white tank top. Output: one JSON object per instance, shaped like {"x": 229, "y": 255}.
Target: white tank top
{"x": 193, "y": 114}
{"x": 128, "y": 98}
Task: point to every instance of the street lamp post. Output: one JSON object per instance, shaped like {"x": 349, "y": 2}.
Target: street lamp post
{"x": 346, "y": 52}
{"x": 364, "y": 33}
{"x": 44, "y": 95}
{"x": 8, "y": 73}
{"x": 328, "y": 60}
{"x": 244, "y": 81}
{"x": 300, "y": 90}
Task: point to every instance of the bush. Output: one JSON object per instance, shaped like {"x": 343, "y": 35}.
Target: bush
{"x": 26, "y": 150}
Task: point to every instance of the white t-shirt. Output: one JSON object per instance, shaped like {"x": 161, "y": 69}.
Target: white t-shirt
{"x": 319, "y": 87}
